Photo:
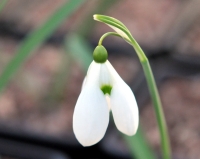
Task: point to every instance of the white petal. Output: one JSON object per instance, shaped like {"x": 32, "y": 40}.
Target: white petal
{"x": 93, "y": 73}
{"x": 114, "y": 76}
{"x": 124, "y": 109}
{"x": 123, "y": 104}
{"x": 91, "y": 114}
{"x": 84, "y": 81}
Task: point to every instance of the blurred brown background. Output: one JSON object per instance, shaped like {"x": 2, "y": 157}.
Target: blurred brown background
{"x": 34, "y": 101}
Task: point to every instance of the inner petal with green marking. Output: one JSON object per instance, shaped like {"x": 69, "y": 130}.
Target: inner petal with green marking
{"x": 106, "y": 89}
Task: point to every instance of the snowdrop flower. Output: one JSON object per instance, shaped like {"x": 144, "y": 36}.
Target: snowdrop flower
{"x": 103, "y": 90}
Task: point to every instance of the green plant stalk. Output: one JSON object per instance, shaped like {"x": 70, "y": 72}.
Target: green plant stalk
{"x": 165, "y": 144}
{"x": 160, "y": 117}
{"x": 158, "y": 110}
{"x": 105, "y": 35}
{"x": 35, "y": 39}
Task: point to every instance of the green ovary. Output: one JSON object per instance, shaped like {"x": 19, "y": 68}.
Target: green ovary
{"x": 100, "y": 54}
{"x": 106, "y": 89}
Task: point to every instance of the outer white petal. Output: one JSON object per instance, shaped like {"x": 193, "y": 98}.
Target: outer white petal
{"x": 93, "y": 74}
{"x": 84, "y": 81}
{"x": 123, "y": 105}
{"x": 101, "y": 74}
{"x": 114, "y": 76}
{"x": 91, "y": 114}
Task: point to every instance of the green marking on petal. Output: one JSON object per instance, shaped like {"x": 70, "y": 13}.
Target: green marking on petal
{"x": 106, "y": 89}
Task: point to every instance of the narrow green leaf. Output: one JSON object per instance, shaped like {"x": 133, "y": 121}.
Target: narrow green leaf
{"x": 139, "y": 147}
{"x": 36, "y": 38}
{"x": 79, "y": 49}
{"x": 2, "y": 4}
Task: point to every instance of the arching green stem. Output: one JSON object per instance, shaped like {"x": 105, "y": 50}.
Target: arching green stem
{"x": 105, "y": 35}
{"x": 160, "y": 117}
{"x": 165, "y": 143}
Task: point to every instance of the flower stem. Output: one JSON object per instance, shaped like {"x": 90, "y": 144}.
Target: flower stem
{"x": 158, "y": 110}
{"x": 105, "y": 35}
{"x": 160, "y": 117}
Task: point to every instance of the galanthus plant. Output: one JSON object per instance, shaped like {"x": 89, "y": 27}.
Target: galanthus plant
{"x": 103, "y": 90}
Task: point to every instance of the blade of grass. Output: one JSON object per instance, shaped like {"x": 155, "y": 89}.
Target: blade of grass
{"x": 138, "y": 146}
{"x": 2, "y": 4}
{"x": 36, "y": 38}
{"x": 79, "y": 49}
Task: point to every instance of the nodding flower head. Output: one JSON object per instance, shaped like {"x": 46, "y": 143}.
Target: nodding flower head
{"x": 103, "y": 90}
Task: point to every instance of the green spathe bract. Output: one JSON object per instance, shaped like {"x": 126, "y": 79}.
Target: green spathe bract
{"x": 100, "y": 54}
{"x": 115, "y": 24}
